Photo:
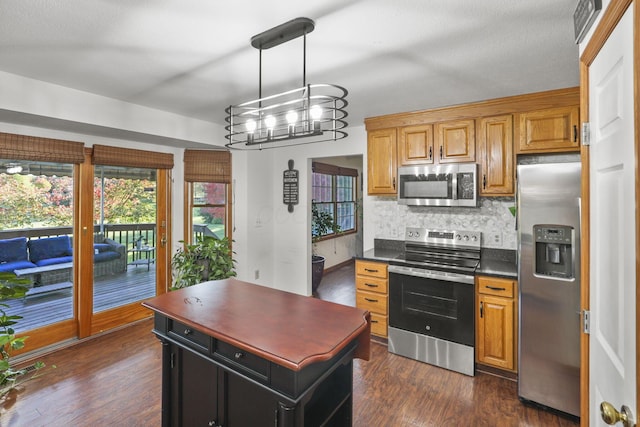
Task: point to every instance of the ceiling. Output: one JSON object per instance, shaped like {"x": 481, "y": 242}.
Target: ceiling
{"x": 194, "y": 58}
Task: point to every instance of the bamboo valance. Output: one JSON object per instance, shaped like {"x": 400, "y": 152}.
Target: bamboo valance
{"x": 207, "y": 166}
{"x": 23, "y": 147}
{"x": 126, "y": 157}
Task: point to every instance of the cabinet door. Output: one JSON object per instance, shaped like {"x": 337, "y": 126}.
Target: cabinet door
{"x": 495, "y": 153}
{"x": 194, "y": 396}
{"x": 456, "y": 141}
{"x": 415, "y": 145}
{"x": 382, "y": 161}
{"x": 495, "y": 338}
{"x": 554, "y": 129}
{"x": 247, "y": 404}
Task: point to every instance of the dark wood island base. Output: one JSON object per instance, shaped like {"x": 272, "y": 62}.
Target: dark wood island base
{"x": 237, "y": 354}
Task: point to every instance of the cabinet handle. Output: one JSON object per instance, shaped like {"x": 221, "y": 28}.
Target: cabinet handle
{"x": 394, "y": 182}
{"x": 370, "y": 300}
{"x": 238, "y": 355}
{"x": 495, "y": 288}
{"x": 213, "y": 423}
{"x": 430, "y": 152}
{"x": 484, "y": 181}
{"x": 481, "y": 308}
{"x": 188, "y": 331}
{"x": 441, "y": 151}
{"x": 371, "y": 285}
{"x": 368, "y": 270}
{"x": 374, "y": 321}
{"x": 575, "y": 133}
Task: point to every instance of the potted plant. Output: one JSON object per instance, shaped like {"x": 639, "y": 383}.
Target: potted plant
{"x": 210, "y": 258}
{"x": 12, "y": 287}
{"x": 321, "y": 223}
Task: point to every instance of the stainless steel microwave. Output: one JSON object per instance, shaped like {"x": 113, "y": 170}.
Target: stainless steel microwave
{"x": 454, "y": 184}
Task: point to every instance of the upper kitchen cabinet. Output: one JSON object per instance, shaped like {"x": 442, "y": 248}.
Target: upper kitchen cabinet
{"x": 495, "y": 155}
{"x": 549, "y": 130}
{"x": 382, "y": 165}
{"x": 486, "y": 132}
{"x": 456, "y": 141}
{"x": 415, "y": 145}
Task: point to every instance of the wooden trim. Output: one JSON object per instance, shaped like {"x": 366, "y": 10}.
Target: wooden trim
{"x": 83, "y": 277}
{"x": 338, "y": 266}
{"x": 607, "y": 24}
{"x": 493, "y": 107}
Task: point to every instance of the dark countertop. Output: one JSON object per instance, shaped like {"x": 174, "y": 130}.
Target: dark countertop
{"x": 493, "y": 262}
{"x": 498, "y": 262}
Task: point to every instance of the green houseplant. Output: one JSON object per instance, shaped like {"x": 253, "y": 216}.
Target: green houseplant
{"x": 321, "y": 224}
{"x": 12, "y": 287}
{"x": 209, "y": 258}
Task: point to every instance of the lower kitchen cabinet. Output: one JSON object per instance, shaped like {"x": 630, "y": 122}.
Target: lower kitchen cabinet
{"x": 496, "y": 320}
{"x": 372, "y": 293}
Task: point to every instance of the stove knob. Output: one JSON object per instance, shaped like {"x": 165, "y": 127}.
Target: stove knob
{"x": 410, "y": 233}
{"x": 466, "y": 237}
{"x": 458, "y": 237}
{"x": 417, "y": 234}
{"x": 474, "y": 238}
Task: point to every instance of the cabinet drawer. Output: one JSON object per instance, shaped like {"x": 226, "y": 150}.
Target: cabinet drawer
{"x": 238, "y": 358}
{"x": 370, "y": 268}
{"x": 496, "y": 286}
{"x": 379, "y": 324}
{"x": 371, "y": 284}
{"x": 375, "y": 303}
{"x": 186, "y": 334}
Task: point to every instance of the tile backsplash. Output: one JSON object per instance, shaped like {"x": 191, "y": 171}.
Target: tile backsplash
{"x": 492, "y": 218}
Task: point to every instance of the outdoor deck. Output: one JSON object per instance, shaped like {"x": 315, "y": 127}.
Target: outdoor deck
{"x": 136, "y": 284}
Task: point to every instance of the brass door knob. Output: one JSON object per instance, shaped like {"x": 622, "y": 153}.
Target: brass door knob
{"x": 610, "y": 415}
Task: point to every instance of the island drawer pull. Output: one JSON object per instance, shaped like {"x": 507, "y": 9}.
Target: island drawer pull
{"x": 238, "y": 355}
{"x": 371, "y": 285}
{"x": 188, "y": 331}
{"x": 369, "y": 270}
{"x": 495, "y": 288}
{"x": 370, "y": 299}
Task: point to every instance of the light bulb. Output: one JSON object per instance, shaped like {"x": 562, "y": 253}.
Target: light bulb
{"x": 291, "y": 117}
{"x": 251, "y": 125}
{"x": 270, "y": 122}
{"x": 315, "y": 112}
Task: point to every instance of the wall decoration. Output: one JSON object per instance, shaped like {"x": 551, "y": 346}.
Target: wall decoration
{"x": 290, "y": 187}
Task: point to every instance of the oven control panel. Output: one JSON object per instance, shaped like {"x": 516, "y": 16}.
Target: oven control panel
{"x": 443, "y": 237}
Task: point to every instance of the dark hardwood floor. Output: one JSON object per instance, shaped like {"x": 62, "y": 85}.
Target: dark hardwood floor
{"x": 114, "y": 380}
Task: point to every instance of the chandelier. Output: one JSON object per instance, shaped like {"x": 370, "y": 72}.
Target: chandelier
{"x": 310, "y": 113}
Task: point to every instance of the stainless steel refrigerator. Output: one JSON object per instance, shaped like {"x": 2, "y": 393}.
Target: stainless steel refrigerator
{"x": 548, "y": 206}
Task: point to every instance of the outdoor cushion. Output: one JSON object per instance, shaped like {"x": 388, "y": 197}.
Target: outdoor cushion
{"x": 15, "y": 265}
{"x": 13, "y": 250}
{"x": 51, "y": 261}
{"x": 106, "y": 256}
{"x": 103, "y": 247}
{"x": 50, "y": 247}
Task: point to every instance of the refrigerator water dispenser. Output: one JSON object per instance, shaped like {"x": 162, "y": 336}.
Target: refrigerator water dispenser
{"x": 554, "y": 251}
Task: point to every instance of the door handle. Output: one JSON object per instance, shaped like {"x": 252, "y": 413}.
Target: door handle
{"x": 163, "y": 240}
{"x": 611, "y": 416}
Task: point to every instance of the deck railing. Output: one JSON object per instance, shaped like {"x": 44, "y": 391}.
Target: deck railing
{"x": 126, "y": 234}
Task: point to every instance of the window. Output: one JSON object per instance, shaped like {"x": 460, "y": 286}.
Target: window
{"x": 208, "y": 177}
{"x": 334, "y": 192}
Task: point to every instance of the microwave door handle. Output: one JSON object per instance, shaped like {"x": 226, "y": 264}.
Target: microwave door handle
{"x": 454, "y": 184}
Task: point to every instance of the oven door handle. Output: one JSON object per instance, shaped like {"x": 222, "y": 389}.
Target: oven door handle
{"x": 418, "y": 272}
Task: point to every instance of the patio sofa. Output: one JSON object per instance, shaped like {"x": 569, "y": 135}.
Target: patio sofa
{"x": 45, "y": 254}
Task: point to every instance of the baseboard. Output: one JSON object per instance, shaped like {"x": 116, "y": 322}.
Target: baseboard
{"x": 338, "y": 266}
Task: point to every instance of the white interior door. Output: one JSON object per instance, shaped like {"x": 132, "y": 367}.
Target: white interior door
{"x": 613, "y": 224}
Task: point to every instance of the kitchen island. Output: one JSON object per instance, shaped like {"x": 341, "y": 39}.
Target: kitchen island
{"x": 239, "y": 354}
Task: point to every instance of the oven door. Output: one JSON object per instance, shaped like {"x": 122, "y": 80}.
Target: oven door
{"x": 432, "y": 303}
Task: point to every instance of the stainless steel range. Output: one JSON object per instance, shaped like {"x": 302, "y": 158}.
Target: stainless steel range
{"x": 431, "y": 298}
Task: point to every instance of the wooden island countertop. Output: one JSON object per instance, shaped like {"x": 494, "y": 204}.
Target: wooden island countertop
{"x": 288, "y": 329}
